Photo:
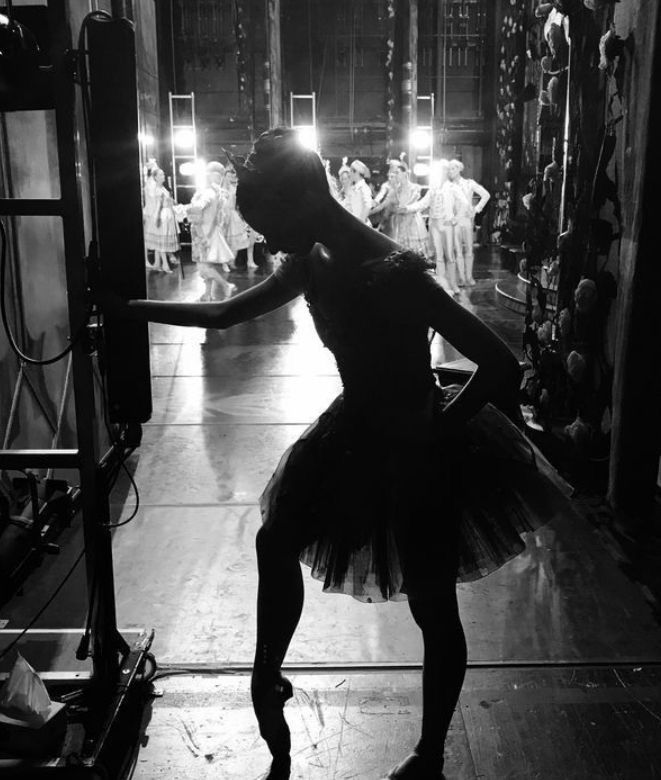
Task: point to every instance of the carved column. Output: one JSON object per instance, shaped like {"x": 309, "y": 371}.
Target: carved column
{"x": 274, "y": 69}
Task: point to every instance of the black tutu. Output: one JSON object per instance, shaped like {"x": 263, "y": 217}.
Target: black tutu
{"x": 377, "y": 515}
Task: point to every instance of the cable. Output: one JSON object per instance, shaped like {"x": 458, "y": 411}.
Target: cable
{"x": 5, "y": 318}
{"x": 12, "y": 644}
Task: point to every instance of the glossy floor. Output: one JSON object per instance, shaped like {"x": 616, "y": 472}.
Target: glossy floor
{"x": 226, "y": 404}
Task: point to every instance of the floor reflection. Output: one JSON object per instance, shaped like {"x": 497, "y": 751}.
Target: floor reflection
{"x": 226, "y": 405}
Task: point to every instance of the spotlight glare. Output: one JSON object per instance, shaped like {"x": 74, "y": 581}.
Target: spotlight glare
{"x": 421, "y": 169}
{"x": 421, "y": 139}
{"x": 435, "y": 171}
{"x": 187, "y": 169}
{"x": 200, "y": 173}
{"x": 184, "y": 139}
{"x": 307, "y": 137}
{"x": 146, "y": 139}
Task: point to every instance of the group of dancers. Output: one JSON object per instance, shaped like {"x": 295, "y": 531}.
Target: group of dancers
{"x": 397, "y": 210}
{"x": 219, "y": 235}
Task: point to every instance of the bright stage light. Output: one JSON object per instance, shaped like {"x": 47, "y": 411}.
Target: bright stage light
{"x": 421, "y": 139}
{"x": 307, "y": 136}
{"x": 187, "y": 169}
{"x": 146, "y": 139}
{"x": 421, "y": 169}
{"x": 184, "y": 139}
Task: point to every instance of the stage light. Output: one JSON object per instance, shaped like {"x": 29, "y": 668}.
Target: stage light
{"x": 421, "y": 169}
{"x": 187, "y": 169}
{"x": 307, "y": 136}
{"x": 184, "y": 139}
{"x": 146, "y": 139}
{"x": 421, "y": 139}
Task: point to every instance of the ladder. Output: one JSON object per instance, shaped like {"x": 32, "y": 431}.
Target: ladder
{"x": 425, "y": 109}
{"x": 183, "y": 145}
{"x": 115, "y": 664}
{"x": 303, "y": 117}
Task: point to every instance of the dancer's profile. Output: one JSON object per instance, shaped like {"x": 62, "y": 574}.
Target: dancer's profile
{"x": 400, "y": 488}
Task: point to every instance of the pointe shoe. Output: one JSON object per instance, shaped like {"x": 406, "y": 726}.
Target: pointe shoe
{"x": 231, "y": 289}
{"x": 415, "y": 767}
{"x": 268, "y": 700}
{"x": 280, "y": 769}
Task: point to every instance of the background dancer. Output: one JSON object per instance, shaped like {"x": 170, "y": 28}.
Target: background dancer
{"x": 409, "y": 229}
{"x": 465, "y": 226}
{"x": 386, "y": 202}
{"x": 442, "y": 201}
{"x": 359, "y": 198}
{"x": 208, "y": 247}
{"x": 240, "y": 238}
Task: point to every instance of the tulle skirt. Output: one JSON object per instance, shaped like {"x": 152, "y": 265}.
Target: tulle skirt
{"x": 377, "y": 516}
{"x": 237, "y": 232}
{"x": 409, "y": 231}
{"x": 209, "y": 248}
{"x": 163, "y": 237}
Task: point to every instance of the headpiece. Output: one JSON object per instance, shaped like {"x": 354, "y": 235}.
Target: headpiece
{"x": 344, "y": 168}
{"x": 361, "y": 168}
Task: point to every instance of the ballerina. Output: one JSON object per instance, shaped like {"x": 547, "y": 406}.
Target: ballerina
{"x": 208, "y": 246}
{"x": 400, "y": 488}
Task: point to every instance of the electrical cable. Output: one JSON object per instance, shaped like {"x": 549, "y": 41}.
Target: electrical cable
{"x": 50, "y": 600}
{"x": 32, "y": 361}
{"x": 5, "y": 317}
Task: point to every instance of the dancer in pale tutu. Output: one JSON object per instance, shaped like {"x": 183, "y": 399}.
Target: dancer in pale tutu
{"x": 386, "y": 202}
{"x": 409, "y": 228}
{"x": 400, "y": 488}
{"x": 209, "y": 249}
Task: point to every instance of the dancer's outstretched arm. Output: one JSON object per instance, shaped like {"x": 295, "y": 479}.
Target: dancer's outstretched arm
{"x": 498, "y": 373}
{"x": 260, "y": 299}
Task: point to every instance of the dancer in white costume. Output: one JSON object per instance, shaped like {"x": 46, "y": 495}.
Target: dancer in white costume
{"x": 360, "y": 199}
{"x": 208, "y": 246}
{"x": 443, "y": 201}
{"x": 463, "y": 232}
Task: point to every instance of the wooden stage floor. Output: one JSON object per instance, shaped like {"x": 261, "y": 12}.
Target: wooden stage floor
{"x": 564, "y": 651}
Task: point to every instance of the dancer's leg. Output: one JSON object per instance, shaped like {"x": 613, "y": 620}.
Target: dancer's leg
{"x": 449, "y": 257}
{"x": 279, "y": 606}
{"x": 464, "y": 233}
{"x": 442, "y": 678}
{"x": 460, "y": 254}
{"x": 437, "y": 241}
{"x": 218, "y": 280}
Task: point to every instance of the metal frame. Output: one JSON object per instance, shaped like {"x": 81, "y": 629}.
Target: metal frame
{"x": 177, "y": 158}
{"x": 293, "y": 98}
{"x": 427, "y": 157}
{"x": 114, "y": 664}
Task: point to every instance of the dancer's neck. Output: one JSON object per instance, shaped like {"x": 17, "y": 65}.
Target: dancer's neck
{"x": 347, "y": 238}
